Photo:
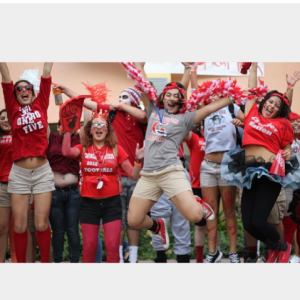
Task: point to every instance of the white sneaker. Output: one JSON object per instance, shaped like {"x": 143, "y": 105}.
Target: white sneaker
{"x": 295, "y": 259}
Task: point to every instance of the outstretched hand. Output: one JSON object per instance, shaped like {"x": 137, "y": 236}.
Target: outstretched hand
{"x": 291, "y": 80}
{"x": 139, "y": 152}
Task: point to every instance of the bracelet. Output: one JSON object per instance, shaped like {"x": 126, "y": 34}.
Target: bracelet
{"x": 120, "y": 105}
{"x": 290, "y": 87}
{"x": 187, "y": 67}
{"x": 194, "y": 70}
{"x": 137, "y": 164}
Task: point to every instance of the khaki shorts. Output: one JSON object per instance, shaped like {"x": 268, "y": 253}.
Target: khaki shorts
{"x": 36, "y": 181}
{"x": 210, "y": 174}
{"x": 277, "y": 212}
{"x": 4, "y": 195}
{"x": 172, "y": 180}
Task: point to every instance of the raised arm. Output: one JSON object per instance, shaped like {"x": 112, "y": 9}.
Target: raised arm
{"x": 4, "y": 72}
{"x": 68, "y": 92}
{"x": 252, "y": 83}
{"x": 67, "y": 150}
{"x": 47, "y": 69}
{"x": 205, "y": 111}
{"x": 185, "y": 80}
{"x": 291, "y": 81}
{"x": 135, "y": 112}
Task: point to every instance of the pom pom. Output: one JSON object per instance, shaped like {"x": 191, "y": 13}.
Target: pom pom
{"x": 98, "y": 92}
{"x": 136, "y": 76}
{"x": 32, "y": 75}
{"x": 260, "y": 91}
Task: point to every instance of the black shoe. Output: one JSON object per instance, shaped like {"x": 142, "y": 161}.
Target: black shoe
{"x": 252, "y": 260}
{"x": 210, "y": 258}
{"x": 161, "y": 257}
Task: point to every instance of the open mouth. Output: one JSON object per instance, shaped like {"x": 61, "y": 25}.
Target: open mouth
{"x": 25, "y": 97}
{"x": 269, "y": 112}
{"x": 99, "y": 133}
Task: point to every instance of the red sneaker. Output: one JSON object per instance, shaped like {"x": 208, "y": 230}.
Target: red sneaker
{"x": 163, "y": 233}
{"x": 208, "y": 212}
{"x": 284, "y": 256}
{"x": 273, "y": 255}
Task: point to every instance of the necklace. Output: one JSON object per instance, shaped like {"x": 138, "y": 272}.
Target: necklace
{"x": 100, "y": 164}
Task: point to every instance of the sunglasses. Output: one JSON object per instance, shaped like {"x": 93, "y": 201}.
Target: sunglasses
{"x": 101, "y": 125}
{"x": 123, "y": 97}
{"x": 27, "y": 87}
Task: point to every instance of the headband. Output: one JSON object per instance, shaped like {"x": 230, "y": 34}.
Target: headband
{"x": 282, "y": 97}
{"x": 172, "y": 86}
{"x": 293, "y": 116}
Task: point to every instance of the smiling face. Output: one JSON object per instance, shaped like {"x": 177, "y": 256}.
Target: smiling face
{"x": 24, "y": 93}
{"x": 4, "y": 124}
{"x": 125, "y": 98}
{"x": 172, "y": 101}
{"x": 296, "y": 126}
{"x": 271, "y": 107}
{"x": 99, "y": 130}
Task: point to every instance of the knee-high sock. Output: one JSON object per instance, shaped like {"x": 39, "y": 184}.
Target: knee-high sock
{"x": 90, "y": 242}
{"x": 133, "y": 254}
{"x": 289, "y": 229}
{"x": 44, "y": 240}
{"x": 112, "y": 232}
{"x": 13, "y": 254}
{"x": 20, "y": 240}
{"x": 199, "y": 254}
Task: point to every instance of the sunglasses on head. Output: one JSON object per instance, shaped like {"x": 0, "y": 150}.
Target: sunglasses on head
{"x": 27, "y": 87}
{"x": 101, "y": 125}
{"x": 123, "y": 97}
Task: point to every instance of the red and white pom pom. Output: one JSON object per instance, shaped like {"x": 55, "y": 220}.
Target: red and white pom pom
{"x": 32, "y": 75}
{"x": 260, "y": 91}
{"x": 98, "y": 91}
{"x": 136, "y": 76}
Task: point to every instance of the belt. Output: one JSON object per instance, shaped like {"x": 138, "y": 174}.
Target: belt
{"x": 212, "y": 162}
{"x": 4, "y": 182}
{"x": 71, "y": 187}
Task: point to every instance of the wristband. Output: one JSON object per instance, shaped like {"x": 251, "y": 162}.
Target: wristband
{"x": 290, "y": 87}
{"x": 137, "y": 164}
{"x": 120, "y": 105}
{"x": 187, "y": 67}
{"x": 194, "y": 70}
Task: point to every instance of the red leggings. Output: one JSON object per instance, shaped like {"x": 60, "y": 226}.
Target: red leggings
{"x": 112, "y": 232}
{"x": 289, "y": 230}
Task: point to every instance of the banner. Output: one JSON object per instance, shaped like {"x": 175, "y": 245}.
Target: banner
{"x": 204, "y": 68}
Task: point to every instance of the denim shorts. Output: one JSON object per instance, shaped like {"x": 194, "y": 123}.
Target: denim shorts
{"x": 27, "y": 181}
{"x": 92, "y": 211}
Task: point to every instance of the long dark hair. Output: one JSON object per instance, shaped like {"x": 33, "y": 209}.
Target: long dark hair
{"x": 284, "y": 109}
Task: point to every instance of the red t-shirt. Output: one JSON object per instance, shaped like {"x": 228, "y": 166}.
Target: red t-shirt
{"x": 129, "y": 132}
{"x": 57, "y": 161}
{"x": 108, "y": 171}
{"x": 28, "y": 122}
{"x": 197, "y": 151}
{"x": 6, "y": 156}
{"x": 272, "y": 134}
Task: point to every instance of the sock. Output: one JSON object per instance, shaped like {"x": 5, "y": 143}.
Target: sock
{"x": 112, "y": 232}
{"x": 199, "y": 254}
{"x": 133, "y": 254}
{"x": 90, "y": 242}
{"x": 252, "y": 251}
{"x": 20, "y": 240}
{"x": 155, "y": 227}
{"x": 44, "y": 240}
{"x": 121, "y": 254}
{"x": 289, "y": 229}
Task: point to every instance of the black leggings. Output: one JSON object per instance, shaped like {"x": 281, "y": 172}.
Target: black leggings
{"x": 256, "y": 206}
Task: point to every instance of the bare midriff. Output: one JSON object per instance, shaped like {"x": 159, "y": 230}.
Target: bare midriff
{"x": 258, "y": 151}
{"x": 62, "y": 180}
{"x": 215, "y": 156}
{"x": 31, "y": 163}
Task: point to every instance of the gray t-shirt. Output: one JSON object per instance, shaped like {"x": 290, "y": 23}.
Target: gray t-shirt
{"x": 162, "y": 151}
{"x": 219, "y": 132}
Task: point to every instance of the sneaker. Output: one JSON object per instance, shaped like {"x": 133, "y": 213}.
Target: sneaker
{"x": 284, "y": 256}
{"x": 252, "y": 260}
{"x": 210, "y": 258}
{"x": 273, "y": 256}
{"x": 208, "y": 213}
{"x": 234, "y": 257}
{"x": 295, "y": 259}
{"x": 163, "y": 233}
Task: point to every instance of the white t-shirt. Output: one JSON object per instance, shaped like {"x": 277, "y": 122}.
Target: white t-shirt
{"x": 219, "y": 132}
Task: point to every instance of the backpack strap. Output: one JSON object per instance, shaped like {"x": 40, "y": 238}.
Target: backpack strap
{"x": 238, "y": 136}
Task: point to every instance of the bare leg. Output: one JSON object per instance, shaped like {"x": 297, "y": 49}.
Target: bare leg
{"x": 4, "y": 227}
